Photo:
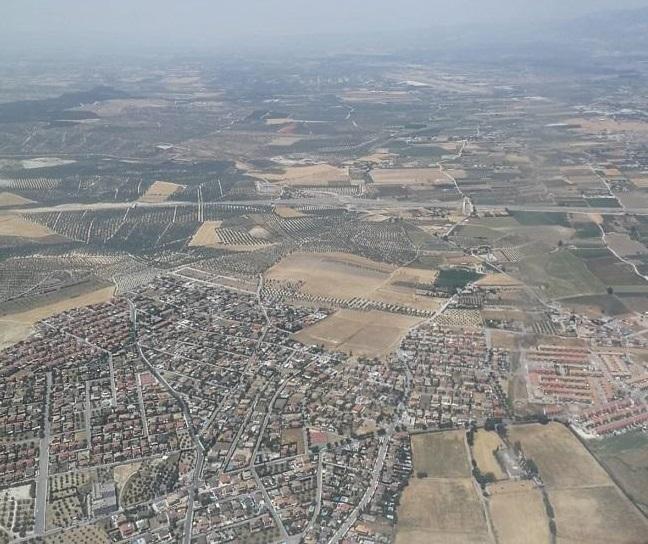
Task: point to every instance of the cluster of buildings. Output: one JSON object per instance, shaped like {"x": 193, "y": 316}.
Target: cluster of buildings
{"x": 455, "y": 377}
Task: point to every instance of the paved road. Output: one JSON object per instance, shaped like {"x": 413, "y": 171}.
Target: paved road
{"x": 43, "y": 466}
{"x": 342, "y": 201}
{"x": 369, "y": 493}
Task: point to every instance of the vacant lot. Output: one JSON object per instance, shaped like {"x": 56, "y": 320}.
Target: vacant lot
{"x": 518, "y": 513}
{"x": 441, "y": 511}
{"x": 485, "y": 444}
{"x": 372, "y": 334}
{"x": 12, "y": 332}
{"x": 408, "y": 176}
{"x": 293, "y": 436}
{"x": 122, "y": 473}
{"x": 441, "y": 455}
{"x": 206, "y": 235}
{"x": 160, "y": 191}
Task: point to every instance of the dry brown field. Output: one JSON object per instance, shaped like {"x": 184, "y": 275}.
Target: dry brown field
{"x": 288, "y": 436}
{"x": 408, "y": 176}
{"x": 122, "y": 473}
{"x": 286, "y": 212}
{"x": 15, "y": 225}
{"x": 504, "y": 339}
{"x": 380, "y": 97}
{"x": 518, "y": 513}
{"x": 441, "y": 455}
{"x": 484, "y": 445}
{"x": 285, "y": 141}
{"x": 160, "y": 191}
{"x": 608, "y": 125}
{"x": 624, "y": 245}
{"x": 498, "y": 280}
{"x": 316, "y": 174}
{"x": 12, "y": 332}
{"x": 206, "y": 235}
{"x": 597, "y": 515}
{"x": 441, "y": 511}
{"x": 505, "y": 314}
{"x": 640, "y": 181}
{"x": 562, "y": 460}
{"x": 332, "y": 274}
{"x": 121, "y": 106}
{"x": 588, "y": 506}
{"x": 372, "y": 334}
{"x": 342, "y": 275}
{"x": 11, "y": 199}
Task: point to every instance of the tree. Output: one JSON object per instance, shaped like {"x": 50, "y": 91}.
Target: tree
{"x": 610, "y": 290}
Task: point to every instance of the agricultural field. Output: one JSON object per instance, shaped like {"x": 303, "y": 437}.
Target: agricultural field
{"x": 285, "y": 212}
{"x": 441, "y": 511}
{"x": 372, "y": 334}
{"x": 206, "y": 235}
{"x": 408, "y": 176}
{"x": 578, "y": 488}
{"x": 316, "y": 175}
{"x": 559, "y": 274}
{"x": 518, "y": 513}
{"x": 347, "y": 276}
{"x": 440, "y": 503}
{"x": 15, "y": 226}
{"x": 485, "y": 443}
{"x": 441, "y": 455}
{"x": 10, "y": 200}
{"x": 626, "y": 457}
{"x": 160, "y": 191}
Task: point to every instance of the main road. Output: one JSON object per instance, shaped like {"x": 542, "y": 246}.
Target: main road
{"x": 350, "y": 203}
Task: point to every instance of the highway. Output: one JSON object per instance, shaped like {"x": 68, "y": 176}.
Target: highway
{"x": 350, "y": 203}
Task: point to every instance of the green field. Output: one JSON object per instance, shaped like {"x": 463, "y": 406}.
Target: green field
{"x": 626, "y": 457}
{"x": 560, "y": 274}
{"x": 456, "y": 278}
{"x": 530, "y": 219}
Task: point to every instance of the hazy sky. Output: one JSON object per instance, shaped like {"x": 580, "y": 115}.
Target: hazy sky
{"x": 86, "y": 23}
